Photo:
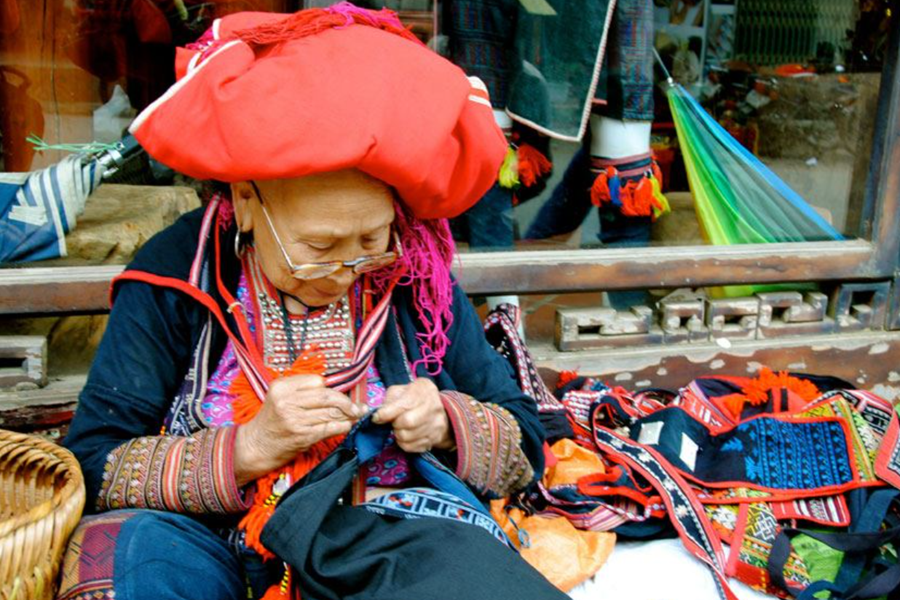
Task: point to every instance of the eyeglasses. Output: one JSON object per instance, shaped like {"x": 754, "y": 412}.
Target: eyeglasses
{"x": 307, "y": 271}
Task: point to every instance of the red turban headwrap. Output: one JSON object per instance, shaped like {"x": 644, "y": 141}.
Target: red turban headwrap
{"x": 272, "y": 96}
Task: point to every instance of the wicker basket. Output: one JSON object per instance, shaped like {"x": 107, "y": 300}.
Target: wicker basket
{"x": 41, "y": 499}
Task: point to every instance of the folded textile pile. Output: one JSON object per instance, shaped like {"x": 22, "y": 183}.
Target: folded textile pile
{"x": 798, "y": 474}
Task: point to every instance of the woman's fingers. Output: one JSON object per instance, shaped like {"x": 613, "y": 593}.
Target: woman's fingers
{"x": 396, "y": 403}
{"x": 417, "y": 421}
{"x": 332, "y": 428}
{"x": 311, "y": 399}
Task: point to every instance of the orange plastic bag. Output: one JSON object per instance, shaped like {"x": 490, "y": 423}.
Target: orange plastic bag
{"x": 564, "y": 555}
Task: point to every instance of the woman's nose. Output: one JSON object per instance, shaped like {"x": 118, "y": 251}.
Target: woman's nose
{"x": 343, "y": 277}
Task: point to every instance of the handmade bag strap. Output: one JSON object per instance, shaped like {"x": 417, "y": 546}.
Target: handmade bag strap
{"x": 684, "y": 509}
{"x": 864, "y": 537}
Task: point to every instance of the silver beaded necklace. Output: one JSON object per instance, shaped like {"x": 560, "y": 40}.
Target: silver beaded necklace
{"x": 293, "y": 352}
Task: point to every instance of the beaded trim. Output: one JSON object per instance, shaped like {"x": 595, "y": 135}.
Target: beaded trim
{"x": 330, "y": 329}
{"x": 180, "y": 474}
{"x": 488, "y": 441}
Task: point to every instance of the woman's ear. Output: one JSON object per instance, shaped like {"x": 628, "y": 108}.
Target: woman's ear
{"x": 242, "y": 195}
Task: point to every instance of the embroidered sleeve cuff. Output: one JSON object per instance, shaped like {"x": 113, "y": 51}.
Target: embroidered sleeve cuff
{"x": 180, "y": 474}
{"x": 488, "y": 441}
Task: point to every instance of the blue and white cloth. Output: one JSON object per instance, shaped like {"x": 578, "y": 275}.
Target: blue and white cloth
{"x": 39, "y": 208}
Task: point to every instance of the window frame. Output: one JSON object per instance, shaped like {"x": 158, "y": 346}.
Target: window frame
{"x": 83, "y": 290}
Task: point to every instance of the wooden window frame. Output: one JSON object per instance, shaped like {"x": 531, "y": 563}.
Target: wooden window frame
{"x": 84, "y": 290}
{"x": 527, "y": 272}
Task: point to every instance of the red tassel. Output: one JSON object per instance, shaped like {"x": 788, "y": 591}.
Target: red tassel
{"x": 532, "y": 165}
{"x": 642, "y": 198}
{"x": 315, "y": 20}
{"x": 600, "y": 189}
{"x": 565, "y": 377}
{"x": 657, "y": 172}
{"x": 246, "y": 406}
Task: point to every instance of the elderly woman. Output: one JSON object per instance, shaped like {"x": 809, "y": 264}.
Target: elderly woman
{"x": 249, "y": 338}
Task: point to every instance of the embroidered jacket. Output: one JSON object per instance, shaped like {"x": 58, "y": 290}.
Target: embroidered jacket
{"x": 162, "y": 343}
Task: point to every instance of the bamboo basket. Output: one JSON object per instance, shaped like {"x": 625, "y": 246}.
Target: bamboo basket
{"x": 41, "y": 499}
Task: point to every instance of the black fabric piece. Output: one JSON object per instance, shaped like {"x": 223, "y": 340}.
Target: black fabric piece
{"x": 825, "y": 383}
{"x": 343, "y": 552}
{"x": 714, "y": 387}
{"x": 651, "y": 529}
{"x": 575, "y": 384}
{"x": 556, "y": 426}
{"x": 781, "y": 551}
{"x": 608, "y": 412}
{"x": 883, "y": 584}
{"x": 851, "y": 542}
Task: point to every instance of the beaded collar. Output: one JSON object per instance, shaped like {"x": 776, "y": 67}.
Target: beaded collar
{"x": 330, "y": 330}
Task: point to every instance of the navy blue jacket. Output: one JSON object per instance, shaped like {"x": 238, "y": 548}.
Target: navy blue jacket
{"x": 146, "y": 351}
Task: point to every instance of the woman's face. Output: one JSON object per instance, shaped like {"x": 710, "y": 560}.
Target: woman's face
{"x": 336, "y": 216}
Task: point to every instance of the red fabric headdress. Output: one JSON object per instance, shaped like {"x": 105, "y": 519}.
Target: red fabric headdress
{"x": 271, "y": 96}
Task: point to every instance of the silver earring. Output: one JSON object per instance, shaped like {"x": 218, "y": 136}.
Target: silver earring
{"x": 238, "y": 245}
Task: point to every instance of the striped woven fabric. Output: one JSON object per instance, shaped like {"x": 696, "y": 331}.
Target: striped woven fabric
{"x": 38, "y": 209}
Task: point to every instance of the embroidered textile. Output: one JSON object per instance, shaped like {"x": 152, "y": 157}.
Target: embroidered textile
{"x": 771, "y": 453}
{"x": 888, "y": 463}
{"x": 488, "y": 446}
{"x": 863, "y": 439}
{"x": 501, "y": 331}
{"x": 875, "y": 410}
{"x": 831, "y": 511}
{"x": 87, "y": 567}
{"x": 628, "y": 73}
{"x": 180, "y": 474}
{"x": 783, "y": 455}
{"x": 686, "y": 513}
{"x": 481, "y": 35}
{"x": 184, "y": 416}
{"x": 756, "y": 530}
{"x": 391, "y": 467}
{"x": 589, "y": 513}
{"x": 800, "y": 452}
{"x": 413, "y": 503}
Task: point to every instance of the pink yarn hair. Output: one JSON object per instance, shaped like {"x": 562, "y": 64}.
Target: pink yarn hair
{"x": 428, "y": 252}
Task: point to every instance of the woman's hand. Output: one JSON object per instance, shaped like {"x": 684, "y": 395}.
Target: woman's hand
{"x": 417, "y": 415}
{"x": 298, "y": 412}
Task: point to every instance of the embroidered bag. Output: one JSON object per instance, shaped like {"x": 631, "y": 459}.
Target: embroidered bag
{"x": 385, "y": 552}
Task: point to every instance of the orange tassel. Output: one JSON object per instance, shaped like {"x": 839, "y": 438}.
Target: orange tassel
{"x": 246, "y": 406}
{"x": 600, "y": 189}
{"x": 532, "y": 165}
{"x": 757, "y": 390}
{"x": 735, "y": 404}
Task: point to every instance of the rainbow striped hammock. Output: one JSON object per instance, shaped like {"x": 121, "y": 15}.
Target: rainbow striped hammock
{"x": 738, "y": 199}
